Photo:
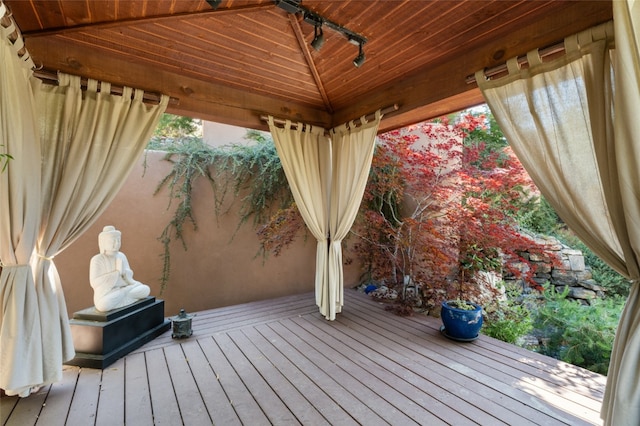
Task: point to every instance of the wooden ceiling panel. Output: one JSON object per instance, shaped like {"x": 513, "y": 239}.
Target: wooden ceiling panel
{"x": 251, "y": 51}
{"x": 448, "y": 30}
{"x": 250, "y": 57}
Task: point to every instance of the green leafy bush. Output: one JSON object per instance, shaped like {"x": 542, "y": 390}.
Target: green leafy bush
{"x": 538, "y": 216}
{"x": 507, "y": 320}
{"x": 575, "y": 333}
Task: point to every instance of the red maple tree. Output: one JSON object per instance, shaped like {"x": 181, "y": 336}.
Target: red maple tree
{"x": 438, "y": 209}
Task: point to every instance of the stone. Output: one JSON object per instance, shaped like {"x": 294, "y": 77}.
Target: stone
{"x": 576, "y": 262}
{"x": 563, "y": 277}
{"x": 566, "y": 264}
{"x": 581, "y": 293}
{"x": 539, "y": 257}
{"x": 541, "y": 280}
{"x": 571, "y": 252}
{"x": 542, "y": 268}
{"x": 591, "y": 285}
{"x": 585, "y": 275}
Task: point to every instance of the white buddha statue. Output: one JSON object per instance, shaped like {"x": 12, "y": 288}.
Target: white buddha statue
{"x": 110, "y": 275}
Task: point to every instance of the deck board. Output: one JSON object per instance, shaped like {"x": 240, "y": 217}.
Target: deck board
{"x": 279, "y": 362}
{"x": 437, "y": 379}
{"x": 166, "y": 410}
{"x": 192, "y": 407}
{"x": 60, "y": 395}
{"x": 430, "y": 378}
{"x": 473, "y": 366}
{"x": 110, "y": 409}
{"x": 302, "y": 410}
{"x": 345, "y": 372}
{"x": 213, "y": 394}
{"x": 244, "y": 404}
{"x": 266, "y": 397}
{"x": 275, "y": 349}
{"x": 379, "y": 381}
{"x": 137, "y": 398}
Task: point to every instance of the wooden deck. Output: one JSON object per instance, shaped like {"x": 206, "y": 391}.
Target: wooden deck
{"x": 279, "y": 362}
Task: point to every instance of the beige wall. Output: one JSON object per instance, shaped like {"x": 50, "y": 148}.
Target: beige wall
{"x": 215, "y": 271}
{"x": 218, "y": 134}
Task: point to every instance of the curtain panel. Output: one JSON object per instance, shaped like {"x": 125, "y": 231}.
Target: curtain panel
{"x": 559, "y": 118}
{"x": 90, "y": 142}
{"x": 327, "y": 176}
{"x": 305, "y": 154}
{"x": 20, "y": 196}
{"x": 72, "y": 150}
{"x": 621, "y": 405}
{"x": 352, "y": 149}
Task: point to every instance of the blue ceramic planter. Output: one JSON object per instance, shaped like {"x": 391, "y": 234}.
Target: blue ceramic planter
{"x": 460, "y": 324}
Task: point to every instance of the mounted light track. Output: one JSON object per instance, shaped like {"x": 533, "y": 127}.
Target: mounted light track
{"x": 318, "y": 21}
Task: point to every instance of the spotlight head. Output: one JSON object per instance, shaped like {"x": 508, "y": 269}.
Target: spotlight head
{"x": 318, "y": 39}
{"x": 214, "y": 3}
{"x": 359, "y": 60}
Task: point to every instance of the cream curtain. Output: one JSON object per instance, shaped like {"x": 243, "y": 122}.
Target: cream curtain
{"x": 20, "y": 333}
{"x": 559, "y": 118}
{"x": 327, "y": 177}
{"x": 305, "y": 155}
{"x": 621, "y": 405}
{"x": 352, "y": 149}
{"x": 90, "y": 142}
{"x": 72, "y": 152}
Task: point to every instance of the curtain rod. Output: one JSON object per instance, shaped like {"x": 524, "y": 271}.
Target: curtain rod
{"x": 368, "y": 117}
{"x": 522, "y": 60}
{"x": 52, "y": 77}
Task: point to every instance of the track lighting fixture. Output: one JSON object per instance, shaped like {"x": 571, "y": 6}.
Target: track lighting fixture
{"x": 359, "y": 60}
{"x": 318, "y": 37}
{"x": 310, "y": 17}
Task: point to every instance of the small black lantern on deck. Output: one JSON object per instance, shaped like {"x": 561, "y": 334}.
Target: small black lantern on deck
{"x": 181, "y": 325}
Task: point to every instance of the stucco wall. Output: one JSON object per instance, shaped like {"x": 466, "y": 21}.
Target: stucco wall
{"x": 216, "y": 270}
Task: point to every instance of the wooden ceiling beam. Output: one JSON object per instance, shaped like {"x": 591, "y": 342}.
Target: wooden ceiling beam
{"x": 196, "y": 98}
{"x": 147, "y": 20}
{"x": 304, "y": 47}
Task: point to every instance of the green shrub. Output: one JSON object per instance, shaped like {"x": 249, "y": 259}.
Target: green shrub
{"x": 575, "y": 333}
{"x": 539, "y": 217}
{"x": 507, "y": 320}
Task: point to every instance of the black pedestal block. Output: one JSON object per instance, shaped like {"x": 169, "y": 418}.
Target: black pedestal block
{"x": 101, "y": 338}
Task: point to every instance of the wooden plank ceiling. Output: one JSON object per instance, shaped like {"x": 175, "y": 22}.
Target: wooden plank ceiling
{"x": 250, "y": 57}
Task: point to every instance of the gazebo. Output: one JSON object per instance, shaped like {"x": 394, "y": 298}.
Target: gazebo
{"x": 324, "y": 78}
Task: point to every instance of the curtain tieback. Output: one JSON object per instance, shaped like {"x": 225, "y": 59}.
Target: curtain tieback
{"x": 45, "y": 257}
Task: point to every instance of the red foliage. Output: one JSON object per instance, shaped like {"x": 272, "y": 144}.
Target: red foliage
{"x": 281, "y": 230}
{"x": 438, "y": 210}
